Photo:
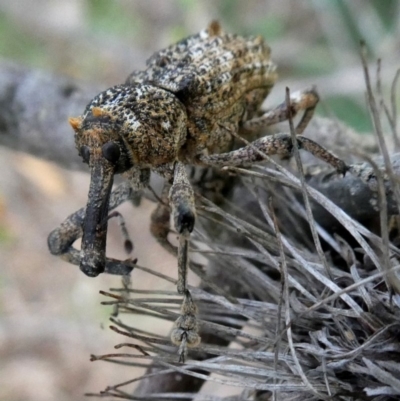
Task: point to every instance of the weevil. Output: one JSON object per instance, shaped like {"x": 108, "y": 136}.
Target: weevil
{"x": 185, "y": 108}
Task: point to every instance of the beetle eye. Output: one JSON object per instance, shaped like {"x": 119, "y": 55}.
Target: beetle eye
{"x": 85, "y": 153}
{"x": 111, "y": 152}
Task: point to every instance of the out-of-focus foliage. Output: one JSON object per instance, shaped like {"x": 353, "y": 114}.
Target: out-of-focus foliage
{"x": 309, "y": 40}
{"x": 109, "y": 17}
{"x": 18, "y": 45}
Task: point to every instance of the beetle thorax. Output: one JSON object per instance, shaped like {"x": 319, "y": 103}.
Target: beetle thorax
{"x": 151, "y": 121}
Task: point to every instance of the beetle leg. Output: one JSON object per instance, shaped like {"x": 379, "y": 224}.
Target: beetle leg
{"x": 302, "y": 100}
{"x": 160, "y": 221}
{"x": 185, "y": 331}
{"x": 61, "y": 240}
{"x": 186, "y": 328}
{"x": 181, "y": 198}
{"x": 278, "y": 144}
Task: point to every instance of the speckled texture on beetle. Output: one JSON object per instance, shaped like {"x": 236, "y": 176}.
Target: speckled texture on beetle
{"x": 185, "y": 108}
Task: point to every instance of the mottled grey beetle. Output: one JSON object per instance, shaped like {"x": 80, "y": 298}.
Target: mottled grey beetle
{"x": 183, "y": 109}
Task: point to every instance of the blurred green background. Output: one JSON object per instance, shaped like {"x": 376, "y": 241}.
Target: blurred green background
{"x": 312, "y": 41}
{"x": 50, "y": 315}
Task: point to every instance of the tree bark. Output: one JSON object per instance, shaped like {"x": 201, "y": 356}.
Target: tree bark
{"x": 34, "y": 110}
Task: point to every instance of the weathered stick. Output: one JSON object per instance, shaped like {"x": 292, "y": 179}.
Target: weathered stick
{"x": 34, "y": 110}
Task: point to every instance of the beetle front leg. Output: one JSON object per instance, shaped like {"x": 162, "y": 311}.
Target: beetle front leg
{"x": 181, "y": 196}
{"x": 186, "y": 328}
{"x": 61, "y": 240}
{"x": 177, "y": 194}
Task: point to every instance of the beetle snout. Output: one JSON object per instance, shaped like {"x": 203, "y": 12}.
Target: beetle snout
{"x": 92, "y": 262}
{"x": 94, "y": 238}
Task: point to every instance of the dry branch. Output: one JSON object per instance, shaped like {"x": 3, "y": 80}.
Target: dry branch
{"x": 34, "y": 110}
